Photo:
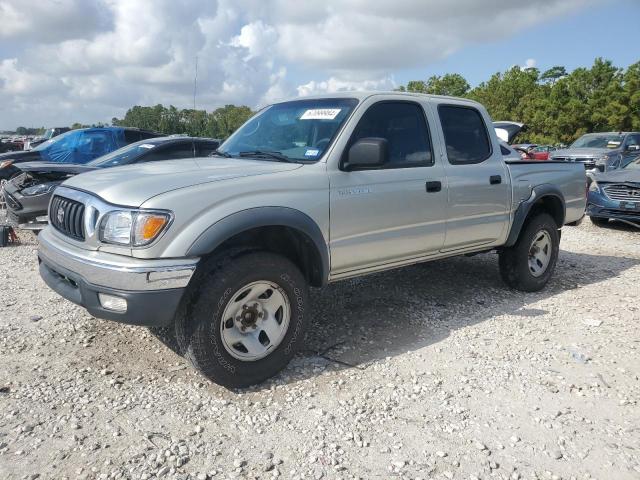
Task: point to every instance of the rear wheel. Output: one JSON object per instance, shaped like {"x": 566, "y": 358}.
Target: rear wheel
{"x": 245, "y": 319}
{"x": 599, "y": 221}
{"x": 529, "y": 264}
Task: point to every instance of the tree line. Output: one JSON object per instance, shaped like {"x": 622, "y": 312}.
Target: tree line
{"x": 220, "y": 123}
{"x": 557, "y": 106}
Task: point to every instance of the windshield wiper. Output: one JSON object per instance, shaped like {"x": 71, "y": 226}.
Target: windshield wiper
{"x": 267, "y": 153}
{"x": 220, "y": 153}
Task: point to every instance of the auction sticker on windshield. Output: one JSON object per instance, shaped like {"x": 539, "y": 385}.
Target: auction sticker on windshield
{"x": 320, "y": 114}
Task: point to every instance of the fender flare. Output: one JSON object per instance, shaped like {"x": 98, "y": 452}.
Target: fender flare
{"x": 523, "y": 210}
{"x": 251, "y": 218}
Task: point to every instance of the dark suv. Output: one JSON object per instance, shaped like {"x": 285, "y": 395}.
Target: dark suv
{"x": 77, "y": 146}
{"x": 27, "y": 195}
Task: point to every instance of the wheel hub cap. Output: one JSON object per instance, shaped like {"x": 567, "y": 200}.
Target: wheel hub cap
{"x": 540, "y": 253}
{"x": 255, "y": 321}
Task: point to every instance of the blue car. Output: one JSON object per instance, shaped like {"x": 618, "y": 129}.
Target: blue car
{"x": 77, "y": 147}
{"x": 615, "y": 195}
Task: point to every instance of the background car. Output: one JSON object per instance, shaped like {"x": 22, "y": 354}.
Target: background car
{"x": 615, "y": 195}
{"x": 602, "y": 151}
{"x": 77, "y": 146}
{"x": 541, "y": 152}
{"x": 27, "y": 195}
{"x": 48, "y": 135}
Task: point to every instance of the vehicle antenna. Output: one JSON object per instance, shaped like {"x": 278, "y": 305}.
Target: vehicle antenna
{"x": 195, "y": 84}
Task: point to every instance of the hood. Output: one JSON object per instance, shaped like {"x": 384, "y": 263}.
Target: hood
{"x": 21, "y": 156}
{"x": 132, "y": 185}
{"x": 507, "y": 131}
{"x": 52, "y": 167}
{"x": 625, "y": 175}
{"x": 581, "y": 152}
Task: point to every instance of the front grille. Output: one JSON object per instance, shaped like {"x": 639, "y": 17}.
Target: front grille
{"x": 67, "y": 217}
{"x": 12, "y": 203}
{"x": 624, "y": 193}
{"x": 589, "y": 163}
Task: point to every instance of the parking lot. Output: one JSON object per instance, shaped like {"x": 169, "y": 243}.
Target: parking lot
{"x": 432, "y": 371}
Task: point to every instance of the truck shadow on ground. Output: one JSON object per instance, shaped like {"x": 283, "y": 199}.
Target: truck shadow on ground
{"x": 355, "y": 322}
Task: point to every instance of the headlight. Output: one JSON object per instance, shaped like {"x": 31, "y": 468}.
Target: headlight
{"x": 594, "y": 187}
{"x": 38, "y": 189}
{"x": 6, "y": 163}
{"x": 132, "y": 227}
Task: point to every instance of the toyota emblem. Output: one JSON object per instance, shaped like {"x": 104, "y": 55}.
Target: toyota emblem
{"x": 60, "y": 215}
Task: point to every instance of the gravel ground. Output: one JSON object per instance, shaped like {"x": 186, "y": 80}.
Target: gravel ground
{"x": 435, "y": 371}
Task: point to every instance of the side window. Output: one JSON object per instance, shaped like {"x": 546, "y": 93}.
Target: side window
{"x": 170, "y": 152}
{"x": 204, "y": 149}
{"x": 465, "y": 135}
{"x": 404, "y": 126}
{"x": 505, "y": 150}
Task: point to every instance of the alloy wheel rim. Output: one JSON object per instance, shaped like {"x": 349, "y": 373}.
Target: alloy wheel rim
{"x": 255, "y": 321}
{"x": 540, "y": 253}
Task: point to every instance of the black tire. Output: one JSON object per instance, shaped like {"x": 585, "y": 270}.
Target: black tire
{"x": 514, "y": 261}
{"x": 199, "y": 320}
{"x": 599, "y": 221}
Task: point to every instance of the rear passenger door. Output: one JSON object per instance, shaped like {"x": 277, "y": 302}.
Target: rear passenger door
{"x": 479, "y": 197}
{"x": 386, "y": 214}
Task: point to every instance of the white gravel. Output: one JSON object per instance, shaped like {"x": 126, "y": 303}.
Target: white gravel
{"x": 435, "y": 371}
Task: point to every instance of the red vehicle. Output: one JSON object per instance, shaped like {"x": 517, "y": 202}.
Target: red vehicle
{"x": 541, "y": 152}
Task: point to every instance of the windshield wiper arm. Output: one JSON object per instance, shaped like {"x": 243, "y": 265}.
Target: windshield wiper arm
{"x": 267, "y": 153}
{"x": 220, "y": 153}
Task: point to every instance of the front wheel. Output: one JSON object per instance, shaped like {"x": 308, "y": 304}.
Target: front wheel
{"x": 244, "y": 319}
{"x": 529, "y": 264}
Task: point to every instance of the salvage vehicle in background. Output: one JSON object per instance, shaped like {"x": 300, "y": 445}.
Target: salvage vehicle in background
{"x": 308, "y": 191}
{"x": 48, "y": 135}
{"x": 601, "y": 152}
{"x": 77, "y": 146}
{"x": 615, "y": 195}
{"x": 28, "y": 194}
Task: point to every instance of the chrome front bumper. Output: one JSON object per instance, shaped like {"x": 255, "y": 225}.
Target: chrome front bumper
{"x": 115, "y": 271}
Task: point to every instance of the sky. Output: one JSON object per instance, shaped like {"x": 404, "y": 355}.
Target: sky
{"x": 66, "y": 61}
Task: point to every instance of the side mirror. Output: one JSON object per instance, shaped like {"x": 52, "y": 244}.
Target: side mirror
{"x": 368, "y": 153}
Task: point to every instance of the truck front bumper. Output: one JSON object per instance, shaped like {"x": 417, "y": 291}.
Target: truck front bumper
{"x": 114, "y": 287}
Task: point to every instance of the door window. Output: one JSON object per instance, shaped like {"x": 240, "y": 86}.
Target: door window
{"x": 404, "y": 126}
{"x": 465, "y": 135}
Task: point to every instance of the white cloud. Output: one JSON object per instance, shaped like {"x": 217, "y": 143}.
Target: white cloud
{"x": 89, "y": 60}
{"x": 530, "y": 63}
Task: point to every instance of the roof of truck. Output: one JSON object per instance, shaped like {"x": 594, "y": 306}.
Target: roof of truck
{"x": 362, "y": 95}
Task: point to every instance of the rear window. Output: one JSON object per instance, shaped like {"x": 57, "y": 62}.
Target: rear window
{"x": 465, "y": 134}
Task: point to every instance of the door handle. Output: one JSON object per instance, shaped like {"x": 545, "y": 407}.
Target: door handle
{"x": 434, "y": 186}
{"x": 495, "y": 179}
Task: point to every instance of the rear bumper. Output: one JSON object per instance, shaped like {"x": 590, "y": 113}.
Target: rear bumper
{"x": 152, "y": 289}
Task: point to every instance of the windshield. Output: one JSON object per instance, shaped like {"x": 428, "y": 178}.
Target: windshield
{"x": 300, "y": 130}
{"x": 122, "y": 156}
{"x": 598, "y": 140}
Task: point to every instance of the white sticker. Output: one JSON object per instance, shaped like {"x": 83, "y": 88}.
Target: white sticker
{"x": 147, "y": 145}
{"x": 320, "y": 114}
{"x": 311, "y": 153}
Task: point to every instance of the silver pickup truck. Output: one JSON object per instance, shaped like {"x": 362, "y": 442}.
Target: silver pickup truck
{"x": 307, "y": 192}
